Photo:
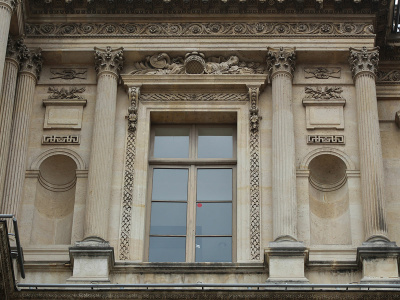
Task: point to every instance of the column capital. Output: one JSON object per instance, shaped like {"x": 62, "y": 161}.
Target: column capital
{"x": 10, "y": 5}
{"x": 14, "y": 48}
{"x": 281, "y": 60}
{"x": 108, "y": 60}
{"x": 364, "y": 60}
{"x": 31, "y": 61}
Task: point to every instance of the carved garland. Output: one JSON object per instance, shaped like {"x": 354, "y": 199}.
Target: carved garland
{"x": 255, "y": 209}
{"x": 129, "y": 175}
{"x": 133, "y": 30}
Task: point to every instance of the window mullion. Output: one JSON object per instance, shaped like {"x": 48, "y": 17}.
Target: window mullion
{"x": 191, "y": 216}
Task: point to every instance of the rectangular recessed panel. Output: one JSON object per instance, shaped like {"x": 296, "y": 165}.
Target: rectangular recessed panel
{"x": 171, "y": 142}
{"x": 167, "y": 249}
{"x": 170, "y": 184}
{"x": 213, "y": 218}
{"x": 215, "y": 143}
{"x": 168, "y": 218}
{"x": 214, "y": 185}
{"x": 213, "y": 249}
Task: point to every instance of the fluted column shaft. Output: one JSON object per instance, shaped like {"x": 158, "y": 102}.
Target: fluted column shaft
{"x": 6, "y": 112}
{"x": 281, "y": 64}
{"x": 31, "y": 64}
{"x": 6, "y": 9}
{"x": 364, "y": 63}
{"x": 102, "y": 149}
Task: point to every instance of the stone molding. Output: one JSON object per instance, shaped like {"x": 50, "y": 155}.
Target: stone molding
{"x": 108, "y": 60}
{"x": 203, "y": 29}
{"x": 364, "y": 60}
{"x": 281, "y": 60}
{"x": 255, "y": 193}
{"x": 129, "y": 175}
{"x": 163, "y": 64}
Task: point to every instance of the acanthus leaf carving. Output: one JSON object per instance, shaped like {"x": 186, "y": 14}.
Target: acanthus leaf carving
{"x": 281, "y": 60}
{"x": 64, "y": 93}
{"x": 162, "y": 63}
{"x": 108, "y": 60}
{"x": 364, "y": 60}
{"x": 31, "y": 61}
{"x": 323, "y": 93}
{"x": 14, "y": 48}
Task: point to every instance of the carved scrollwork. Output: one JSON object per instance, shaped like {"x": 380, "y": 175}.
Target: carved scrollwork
{"x": 281, "y": 60}
{"x": 364, "y": 60}
{"x": 388, "y": 76}
{"x": 108, "y": 60}
{"x": 195, "y": 97}
{"x": 162, "y": 63}
{"x": 131, "y": 30}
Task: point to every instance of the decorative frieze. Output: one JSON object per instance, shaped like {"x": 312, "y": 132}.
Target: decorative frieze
{"x": 68, "y": 73}
{"x": 64, "y": 93}
{"x": 108, "y": 60}
{"x": 325, "y": 140}
{"x": 195, "y": 97}
{"x": 322, "y": 73}
{"x": 129, "y": 176}
{"x": 324, "y": 107}
{"x": 61, "y": 139}
{"x": 255, "y": 199}
{"x": 237, "y": 29}
{"x": 281, "y": 60}
{"x": 388, "y": 76}
{"x": 162, "y": 64}
{"x": 364, "y": 60}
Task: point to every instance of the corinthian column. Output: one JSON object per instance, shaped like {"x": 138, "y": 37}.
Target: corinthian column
{"x": 6, "y": 107}
{"x": 6, "y": 10}
{"x": 378, "y": 255}
{"x": 108, "y": 65}
{"x": 281, "y": 64}
{"x": 30, "y": 67}
{"x": 364, "y": 63}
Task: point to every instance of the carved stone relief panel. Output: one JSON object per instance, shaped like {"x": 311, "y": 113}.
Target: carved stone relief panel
{"x": 325, "y": 139}
{"x": 64, "y": 108}
{"x": 61, "y": 139}
{"x": 322, "y": 73}
{"x": 324, "y": 108}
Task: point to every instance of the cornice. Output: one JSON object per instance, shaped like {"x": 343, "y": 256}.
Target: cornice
{"x": 200, "y": 29}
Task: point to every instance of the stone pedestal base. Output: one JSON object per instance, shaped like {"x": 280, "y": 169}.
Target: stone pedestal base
{"x": 286, "y": 262}
{"x": 379, "y": 261}
{"x": 91, "y": 259}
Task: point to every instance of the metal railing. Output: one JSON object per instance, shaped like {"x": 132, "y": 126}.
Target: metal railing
{"x": 213, "y": 286}
{"x": 20, "y": 255}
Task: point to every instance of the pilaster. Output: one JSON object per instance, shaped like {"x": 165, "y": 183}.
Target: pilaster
{"x": 377, "y": 255}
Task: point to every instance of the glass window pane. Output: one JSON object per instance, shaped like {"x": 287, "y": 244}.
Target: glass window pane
{"x": 168, "y": 218}
{"x": 214, "y": 218}
{"x": 214, "y": 184}
{"x": 170, "y": 184}
{"x": 171, "y": 142}
{"x": 167, "y": 249}
{"x": 213, "y": 249}
{"x": 215, "y": 143}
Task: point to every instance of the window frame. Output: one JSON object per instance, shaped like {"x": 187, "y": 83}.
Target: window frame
{"x": 192, "y": 164}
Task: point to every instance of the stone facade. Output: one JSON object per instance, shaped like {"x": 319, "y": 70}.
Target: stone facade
{"x": 312, "y": 100}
